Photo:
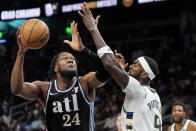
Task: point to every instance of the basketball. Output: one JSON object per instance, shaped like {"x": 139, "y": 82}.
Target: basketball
{"x": 34, "y": 34}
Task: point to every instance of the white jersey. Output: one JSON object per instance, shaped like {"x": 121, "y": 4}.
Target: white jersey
{"x": 184, "y": 128}
{"x": 141, "y": 110}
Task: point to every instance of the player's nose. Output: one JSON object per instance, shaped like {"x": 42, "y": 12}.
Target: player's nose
{"x": 177, "y": 112}
{"x": 70, "y": 61}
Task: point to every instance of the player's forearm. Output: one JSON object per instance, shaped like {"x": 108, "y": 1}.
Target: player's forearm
{"x": 109, "y": 61}
{"x": 115, "y": 70}
{"x": 91, "y": 55}
{"x": 99, "y": 42}
{"x": 101, "y": 74}
{"x": 17, "y": 78}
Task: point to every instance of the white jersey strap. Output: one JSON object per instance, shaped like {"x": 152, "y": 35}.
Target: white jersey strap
{"x": 186, "y": 125}
{"x": 172, "y": 127}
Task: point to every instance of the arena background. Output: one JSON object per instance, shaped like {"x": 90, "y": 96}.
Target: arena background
{"x": 162, "y": 29}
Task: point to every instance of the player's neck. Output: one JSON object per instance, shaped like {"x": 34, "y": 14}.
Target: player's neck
{"x": 64, "y": 83}
{"x": 178, "y": 126}
{"x": 144, "y": 83}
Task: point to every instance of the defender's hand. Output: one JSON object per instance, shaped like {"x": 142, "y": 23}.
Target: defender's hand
{"x": 120, "y": 59}
{"x": 88, "y": 18}
{"x": 76, "y": 43}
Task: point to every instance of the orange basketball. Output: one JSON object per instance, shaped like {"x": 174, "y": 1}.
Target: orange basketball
{"x": 34, "y": 34}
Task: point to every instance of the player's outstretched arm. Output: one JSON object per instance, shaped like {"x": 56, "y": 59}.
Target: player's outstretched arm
{"x": 108, "y": 59}
{"x": 77, "y": 45}
{"x": 18, "y": 86}
{"x": 120, "y": 59}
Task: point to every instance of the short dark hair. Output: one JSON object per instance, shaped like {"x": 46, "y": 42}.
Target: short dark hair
{"x": 178, "y": 103}
{"x": 153, "y": 64}
{"x": 51, "y": 72}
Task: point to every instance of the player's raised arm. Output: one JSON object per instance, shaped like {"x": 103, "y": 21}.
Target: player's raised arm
{"x": 77, "y": 45}
{"x": 104, "y": 52}
{"x": 18, "y": 86}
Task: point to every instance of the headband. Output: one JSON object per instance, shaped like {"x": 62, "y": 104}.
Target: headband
{"x": 146, "y": 67}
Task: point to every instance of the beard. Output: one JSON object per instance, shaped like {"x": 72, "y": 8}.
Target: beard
{"x": 68, "y": 73}
{"x": 136, "y": 76}
{"x": 178, "y": 121}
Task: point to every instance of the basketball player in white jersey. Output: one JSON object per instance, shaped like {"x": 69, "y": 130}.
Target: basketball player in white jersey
{"x": 180, "y": 123}
{"x": 141, "y": 110}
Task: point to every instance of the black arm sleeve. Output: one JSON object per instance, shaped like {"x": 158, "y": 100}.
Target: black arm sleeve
{"x": 101, "y": 74}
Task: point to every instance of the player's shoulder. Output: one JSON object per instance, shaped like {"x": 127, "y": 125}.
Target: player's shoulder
{"x": 152, "y": 90}
{"x": 87, "y": 76}
{"x": 192, "y": 125}
{"x": 169, "y": 128}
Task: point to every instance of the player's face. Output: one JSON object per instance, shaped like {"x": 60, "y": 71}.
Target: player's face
{"x": 118, "y": 122}
{"x": 66, "y": 61}
{"x": 66, "y": 65}
{"x": 178, "y": 113}
{"x": 135, "y": 69}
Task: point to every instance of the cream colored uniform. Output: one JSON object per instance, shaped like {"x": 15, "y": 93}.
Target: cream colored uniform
{"x": 141, "y": 110}
{"x": 184, "y": 128}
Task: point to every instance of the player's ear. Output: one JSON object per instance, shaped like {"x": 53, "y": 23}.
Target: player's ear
{"x": 55, "y": 68}
{"x": 144, "y": 75}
